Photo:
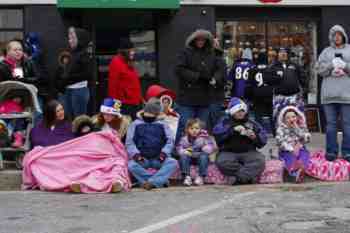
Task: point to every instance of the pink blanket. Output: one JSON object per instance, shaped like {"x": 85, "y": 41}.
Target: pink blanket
{"x": 95, "y": 161}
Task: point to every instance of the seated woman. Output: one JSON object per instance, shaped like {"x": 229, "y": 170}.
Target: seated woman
{"x": 238, "y": 138}
{"x": 53, "y": 129}
{"x": 111, "y": 119}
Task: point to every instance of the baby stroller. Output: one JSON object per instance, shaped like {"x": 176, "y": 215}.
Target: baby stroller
{"x": 28, "y": 95}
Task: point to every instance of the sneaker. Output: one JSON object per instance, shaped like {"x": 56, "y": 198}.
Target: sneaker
{"x": 231, "y": 180}
{"x": 188, "y": 181}
{"x": 148, "y": 186}
{"x": 75, "y": 188}
{"x": 199, "y": 181}
{"x": 117, "y": 187}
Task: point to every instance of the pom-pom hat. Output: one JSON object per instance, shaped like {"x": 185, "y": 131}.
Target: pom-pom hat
{"x": 235, "y": 105}
{"x": 111, "y": 106}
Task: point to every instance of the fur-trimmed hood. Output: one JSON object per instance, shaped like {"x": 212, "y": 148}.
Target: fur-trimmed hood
{"x": 333, "y": 30}
{"x": 200, "y": 33}
{"x": 80, "y": 122}
{"x": 300, "y": 116}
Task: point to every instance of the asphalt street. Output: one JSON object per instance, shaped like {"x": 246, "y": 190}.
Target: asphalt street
{"x": 308, "y": 208}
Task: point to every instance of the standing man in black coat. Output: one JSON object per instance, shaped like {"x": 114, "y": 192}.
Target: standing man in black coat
{"x": 197, "y": 70}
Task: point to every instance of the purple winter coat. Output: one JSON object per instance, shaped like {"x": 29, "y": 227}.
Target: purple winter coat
{"x": 42, "y": 136}
{"x": 203, "y": 143}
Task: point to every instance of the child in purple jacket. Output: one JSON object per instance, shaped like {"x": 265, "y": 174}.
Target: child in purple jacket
{"x": 195, "y": 145}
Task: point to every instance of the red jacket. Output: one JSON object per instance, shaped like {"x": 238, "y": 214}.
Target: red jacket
{"x": 123, "y": 82}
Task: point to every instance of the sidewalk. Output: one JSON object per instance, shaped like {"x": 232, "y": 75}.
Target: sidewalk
{"x": 11, "y": 179}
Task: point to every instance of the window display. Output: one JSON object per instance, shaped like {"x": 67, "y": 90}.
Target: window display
{"x": 298, "y": 38}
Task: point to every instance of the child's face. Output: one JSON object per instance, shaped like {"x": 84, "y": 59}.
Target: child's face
{"x": 290, "y": 118}
{"x": 108, "y": 117}
{"x": 240, "y": 115}
{"x": 193, "y": 130}
{"x": 166, "y": 103}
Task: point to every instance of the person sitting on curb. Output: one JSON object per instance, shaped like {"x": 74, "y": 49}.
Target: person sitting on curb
{"x": 292, "y": 135}
{"x": 238, "y": 138}
{"x": 110, "y": 118}
{"x": 167, "y": 98}
{"x": 196, "y": 145}
{"x": 149, "y": 143}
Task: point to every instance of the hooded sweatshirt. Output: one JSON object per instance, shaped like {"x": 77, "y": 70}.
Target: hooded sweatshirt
{"x": 80, "y": 68}
{"x": 334, "y": 89}
{"x": 195, "y": 68}
{"x": 287, "y": 137}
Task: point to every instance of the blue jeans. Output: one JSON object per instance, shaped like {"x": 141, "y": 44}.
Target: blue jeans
{"x": 203, "y": 162}
{"x": 160, "y": 178}
{"x": 38, "y": 116}
{"x": 188, "y": 112}
{"x": 75, "y": 101}
{"x": 332, "y": 113}
{"x": 216, "y": 111}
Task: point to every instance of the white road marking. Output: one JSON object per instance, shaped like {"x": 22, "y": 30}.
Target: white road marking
{"x": 191, "y": 214}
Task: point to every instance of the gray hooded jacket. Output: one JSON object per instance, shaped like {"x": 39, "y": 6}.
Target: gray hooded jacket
{"x": 334, "y": 89}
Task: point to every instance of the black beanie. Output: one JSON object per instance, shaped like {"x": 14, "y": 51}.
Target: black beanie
{"x": 125, "y": 43}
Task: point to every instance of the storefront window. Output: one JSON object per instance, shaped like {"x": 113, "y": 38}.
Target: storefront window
{"x": 11, "y": 25}
{"x": 298, "y": 37}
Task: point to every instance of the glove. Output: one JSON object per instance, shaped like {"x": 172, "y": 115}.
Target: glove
{"x": 338, "y": 63}
{"x": 162, "y": 157}
{"x": 241, "y": 130}
{"x": 138, "y": 158}
{"x": 212, "y": 82}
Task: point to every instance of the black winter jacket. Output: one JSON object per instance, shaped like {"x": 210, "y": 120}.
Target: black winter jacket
{"x": 262, "y": 80}
{"x": 30, "y": 75}
{"x": 293, "y": 78}
{"x": 217, "y": 92}
{"x": 194, "y": 69}
{"x": 80, "y": 67}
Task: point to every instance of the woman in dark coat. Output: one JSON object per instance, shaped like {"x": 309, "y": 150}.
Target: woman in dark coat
{"x": 198, "y": 70}
{"x": 78, "y": 73}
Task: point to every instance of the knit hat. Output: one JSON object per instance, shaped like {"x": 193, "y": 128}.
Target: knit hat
{"x": 125, "y": 43}
{"x": 235, "y": 105}
{"x": 158, "y": 91}
{"x": 111, "y": 106}
{"x": 153, "y": 106}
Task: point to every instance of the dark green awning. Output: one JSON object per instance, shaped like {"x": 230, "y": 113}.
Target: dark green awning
{"x": 126, "y": 4}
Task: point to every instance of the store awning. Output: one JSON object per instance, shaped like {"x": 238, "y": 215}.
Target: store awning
{"x": 123, "y": 4}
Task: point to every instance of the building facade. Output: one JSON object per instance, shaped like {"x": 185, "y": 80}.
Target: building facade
{"x": 159, "y": 29}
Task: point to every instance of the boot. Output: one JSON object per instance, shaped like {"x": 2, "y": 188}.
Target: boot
{"x": 18, "y": 139}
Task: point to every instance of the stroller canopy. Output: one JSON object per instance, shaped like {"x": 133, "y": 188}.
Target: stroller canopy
{"x": 28, "y": 93}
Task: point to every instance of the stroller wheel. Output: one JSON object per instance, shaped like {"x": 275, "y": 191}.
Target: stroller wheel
{"x": 19, "y": 161}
